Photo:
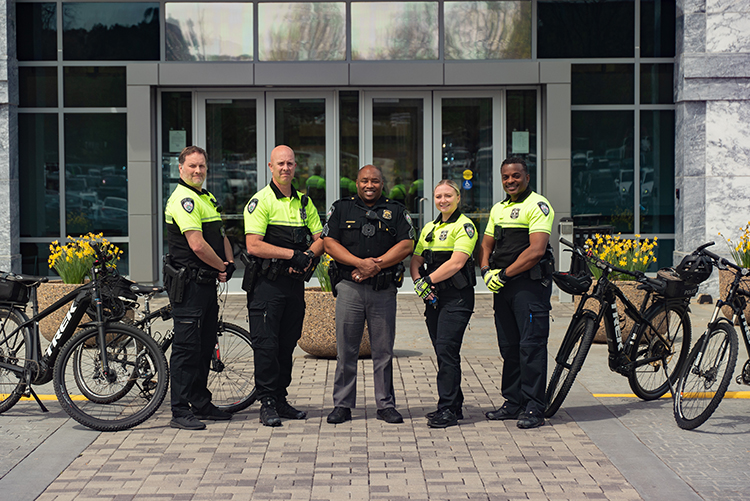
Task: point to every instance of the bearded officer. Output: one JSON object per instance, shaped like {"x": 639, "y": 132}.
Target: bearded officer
{"x": 200, "y": 254}
{"x": 368, "y": 235}
{"x": 282, "y": 234}
{"x": 517, "y": 265}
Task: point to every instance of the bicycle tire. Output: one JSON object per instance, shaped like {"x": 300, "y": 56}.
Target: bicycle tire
{"x": 706, "y": 376}
{"x": 84, "y": 383}
{"x": 646, "y": 376}
{"x": 231, "y": 378}
{"x": 132, "y": 356}
{"x": 13, "y": 350}
{"x": 570, "y": 358}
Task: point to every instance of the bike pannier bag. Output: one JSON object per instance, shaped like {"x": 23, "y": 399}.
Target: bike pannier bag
{"x": 675, "y": 285}
{"x": 13, "y": 292}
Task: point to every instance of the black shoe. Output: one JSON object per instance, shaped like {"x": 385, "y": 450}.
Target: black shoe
{"x": 459, "y": 414}
{"x": 502, "y": 413}
{"x": 213, "y": 414}
{"x": 268, "y": 414}
{"x": 530, "y": 420}
{"x": 339, "y": 415}
{"x": 443, "y": 419}
{"x": 188, "y": 422}
{"x": 285, "y": 410}
{"x": 390, "y": 415}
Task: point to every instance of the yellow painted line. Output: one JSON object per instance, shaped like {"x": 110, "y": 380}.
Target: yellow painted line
{"x": 46, "y": 397}
{"x": 729, "y": 394}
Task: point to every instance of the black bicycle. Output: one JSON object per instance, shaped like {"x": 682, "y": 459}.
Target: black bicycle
{"x": 231, "y": 378}
{"x": 654, "y": 351}
{"x": 706, "y": 376}
{"x": 109, "y": 376}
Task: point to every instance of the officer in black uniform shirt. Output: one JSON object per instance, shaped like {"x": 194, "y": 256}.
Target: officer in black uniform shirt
{"x": 368, "y": 236}
{"x": 282, "y": 234}
{"x": 200, "y": 254}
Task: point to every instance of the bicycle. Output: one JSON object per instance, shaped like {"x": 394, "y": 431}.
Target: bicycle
{"x": 706, "y": 376}
{"x": 231, "y": 373}
{"x": 661, "y": 331}
{"x": 108, "y": 377}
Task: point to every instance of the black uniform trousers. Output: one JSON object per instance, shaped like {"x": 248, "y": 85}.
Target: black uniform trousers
{"x": 522, "y": 322}
{"x": 277, "y": 310}
{"x": 196, "y": 322}
{"x": 446, "y": 325}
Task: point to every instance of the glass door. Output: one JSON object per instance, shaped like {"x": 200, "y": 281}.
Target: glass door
{"x": 305, "y": 122}
{"x": 227, "y": 126}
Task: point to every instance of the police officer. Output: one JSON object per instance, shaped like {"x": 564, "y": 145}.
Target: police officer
{"x": 200, "y": 254}
{"x": 368, "y": 235}
{"x": 282, "y": 234}
{"x": 517, "y": 265}
{"x": 442, "y": 260}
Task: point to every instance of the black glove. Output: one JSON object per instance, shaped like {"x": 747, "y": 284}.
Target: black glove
{"x": 301, "y": 260}
{"x": 230, "y": 270}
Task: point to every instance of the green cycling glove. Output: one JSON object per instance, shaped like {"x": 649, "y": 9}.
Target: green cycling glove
{"x": 495, "y": 280}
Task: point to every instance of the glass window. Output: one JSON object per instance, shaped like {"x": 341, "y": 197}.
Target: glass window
{"x": 602, "y": 83}
{"x": 111, "y": 31}
{"x": 602, "y": 169}
{"x": 34, "y": 258}
{"x": 94, "y": 86}
{"x": 96, "y": 176}
{"x": 209, "y": 31}
{"x": 656, "y": 84}
{"x": 36, "y": 31}
{"x": 349, "y": 142}
{"x": 39, "y": 174}
{"x": 488, "y": 30}
{"x": 657, "y": 28}
{"x": 521, "y": 129}
{"x": 301, "y": 31}
{"x": 585, "y": 28}
{"x": 176, "y": 128}
{"x": 394, "y": 30}
{"x": 657, "y": 171}
{"x": 37, "y": 87}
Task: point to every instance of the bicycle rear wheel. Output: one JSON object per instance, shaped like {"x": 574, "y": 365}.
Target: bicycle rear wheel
{"x": 706, "y": 376}
{"x": 647, "y": 378}
{"x": 15, "y": 349}
{"x": 128, "y": 394}
{"x": 570, "y": 357}
{"x": 231, "y": 379}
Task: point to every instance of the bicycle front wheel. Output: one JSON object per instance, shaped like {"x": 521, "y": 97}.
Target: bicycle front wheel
{"x": 570, "y": 357}
{"x": 231, "y": 378}
{"x": 706, "y": 376}
{"x": 648, "y": 355}
{"x": 15, "y": 351}
{"x": 125, "y": 395}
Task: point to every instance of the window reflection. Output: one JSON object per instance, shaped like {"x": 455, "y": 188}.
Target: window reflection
{"x": 39, "y": 174}
{"x": 209, "y": 31}
{"x": 38, "y": 87}
{"x": 656, "y": 84}
{"x": 301, "y": 31}
{"x": 488, "y": 30}
{"x": 521, "y": 129}
{"x": 111, "y": 31}
{"x": 92, "y": 86}
{"x": 602, "y": 83}
{"x": 602, "y": 169}
{"x": 36, "y": 31}
{"x": 96, "y": 182}
{"x": 657, "y": 171}
{"x": 394, "y": 30}
{"x": 349, "y": 142}
{"x": 657, "y": 28}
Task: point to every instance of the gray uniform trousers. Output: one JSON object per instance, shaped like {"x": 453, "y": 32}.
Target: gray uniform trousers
{"x": 354, "y": 304}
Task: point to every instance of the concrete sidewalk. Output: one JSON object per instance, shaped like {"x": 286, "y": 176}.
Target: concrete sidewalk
{"x": 600, "y": 447}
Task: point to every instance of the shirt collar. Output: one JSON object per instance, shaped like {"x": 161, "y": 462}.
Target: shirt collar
{"x": 454, "y": 217}
{"x": 279, "y": 195}
{"x": 523, "y": 196}
{"x": 191, "y": 188}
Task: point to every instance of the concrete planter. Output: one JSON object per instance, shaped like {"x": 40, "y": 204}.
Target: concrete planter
{"x": 634, "y": 295}
{"x": 319, "y": 329}
{"x": 48, "y": 293}
{"x": 725, "y": 280}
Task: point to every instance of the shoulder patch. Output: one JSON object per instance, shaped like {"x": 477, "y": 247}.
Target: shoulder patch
{"x": 408, "y": 217}
{"x": 330, "y": 211}
{"x": 469, "y": 228}
{"x": 544, "y": 208}
{"x": 252, "y": 205}
{"x": 188, "y": 204}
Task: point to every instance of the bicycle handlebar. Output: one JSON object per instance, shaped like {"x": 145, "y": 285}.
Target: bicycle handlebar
{"x": 26, "y": 279}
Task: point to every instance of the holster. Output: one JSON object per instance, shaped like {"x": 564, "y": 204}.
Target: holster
{"x": 311, "y": 270}
{"x": 175, "y": 280}
{"x": 335, "y": 275}
{"x": 204, "y": 276}
{"x": 252, "y": 270}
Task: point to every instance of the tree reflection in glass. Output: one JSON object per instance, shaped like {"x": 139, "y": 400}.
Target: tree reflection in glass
{"x": 488, "y": 30}
{"x": 394, "y": 30}
{"x": 209, "y": 32}
{"x": 302, "y": 31}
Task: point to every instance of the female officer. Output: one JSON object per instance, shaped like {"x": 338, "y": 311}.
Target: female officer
{"x": 443, "y": 260}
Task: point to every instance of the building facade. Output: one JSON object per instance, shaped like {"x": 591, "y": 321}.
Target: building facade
{"x": 633, "y": 115}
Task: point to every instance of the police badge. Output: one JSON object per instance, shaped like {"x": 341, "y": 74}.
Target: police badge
{"x": 514, "y": 213}
{"x": 544, "y": 208}
{"x": 188, "y": 205}
{"x": 387, "y": 214}
{"x": 443, "y": 235}
{"x": 252, "y": 205}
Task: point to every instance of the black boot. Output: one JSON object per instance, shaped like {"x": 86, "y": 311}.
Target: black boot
{"x": 268, "y": 414}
